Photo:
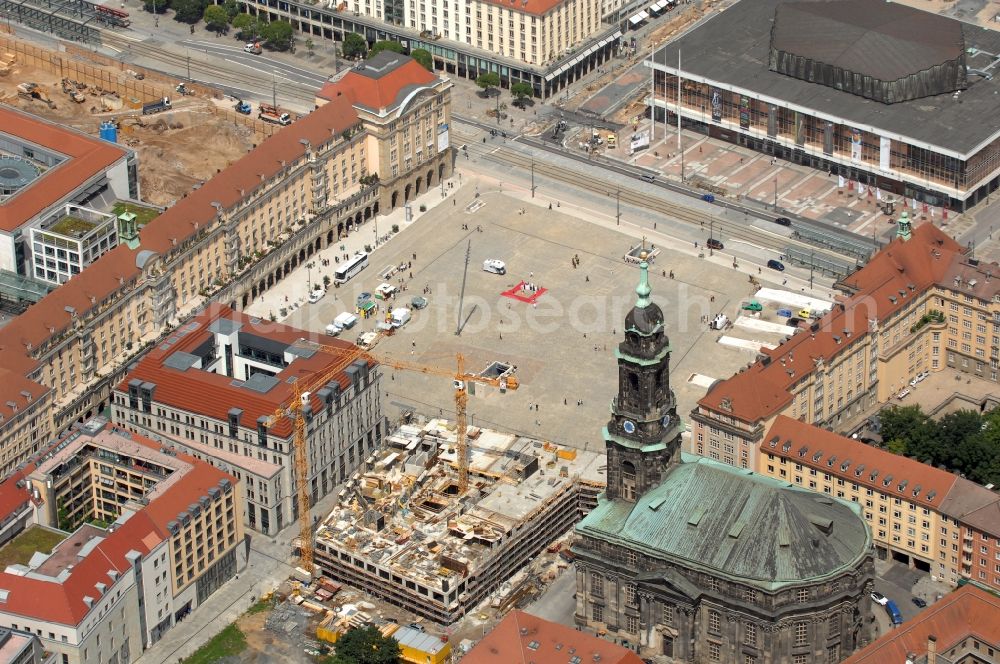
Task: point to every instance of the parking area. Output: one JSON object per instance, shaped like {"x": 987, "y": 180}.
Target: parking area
{"x": 562, "y": 342}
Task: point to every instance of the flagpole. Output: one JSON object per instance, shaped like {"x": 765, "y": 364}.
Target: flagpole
{"x": 679, "y": 99}
{"x": 652, "y": 110}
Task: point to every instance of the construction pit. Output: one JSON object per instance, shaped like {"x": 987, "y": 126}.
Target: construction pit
{"x": 178, "y": 149}
{"x": 405, "y": 534}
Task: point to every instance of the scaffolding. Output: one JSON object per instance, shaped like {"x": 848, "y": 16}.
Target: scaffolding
{"x": 77, "y": 20}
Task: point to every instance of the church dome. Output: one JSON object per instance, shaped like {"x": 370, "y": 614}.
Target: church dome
{"x": 645, "y": 320}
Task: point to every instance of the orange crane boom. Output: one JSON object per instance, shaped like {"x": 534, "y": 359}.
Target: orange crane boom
{"x": 292, "y": 410}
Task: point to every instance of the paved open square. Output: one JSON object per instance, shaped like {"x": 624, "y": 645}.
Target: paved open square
{"x": 563, "y": 344}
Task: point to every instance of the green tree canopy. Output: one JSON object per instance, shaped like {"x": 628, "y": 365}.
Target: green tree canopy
{"x": 160, "y": 6}
{"x": 522, "y": 90}
{"x": 189, "y": 11}
{"x": 232, "y": 8}
{"x": 216, "y": 18}
{"x": 385, "y": 45}
{"x": 487, "y": 80}
{"x": 366, "y": 645}
{"x": 278, "y": 34}
{"x": 354, "y": 46}
{"x": 423, "y": 56}
{"x": 248, "y": 26}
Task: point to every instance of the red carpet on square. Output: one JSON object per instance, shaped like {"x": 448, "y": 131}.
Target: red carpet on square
{"x": 518, "y": 293}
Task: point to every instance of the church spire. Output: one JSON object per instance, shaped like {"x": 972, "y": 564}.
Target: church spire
{"x": 643, "y": 289}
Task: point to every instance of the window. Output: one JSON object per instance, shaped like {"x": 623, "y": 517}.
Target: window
{"x": 715, "y": 622}
{"x": 597, "y": 612}
{"x": 749, "y": 595}
{"x": 749, "y": 659}
{"x": 802, "y": 595}
{"x": 833, "y": 626}
{"x": 632, "y": 624}
{"x": 714, "y": 651}
{"x": 801, "y": 633}
{"x": 596, "y": 584}
{"x": 833, "y": 654}
{"x": 750, "y": 634}
{"x": 630, "y": 595}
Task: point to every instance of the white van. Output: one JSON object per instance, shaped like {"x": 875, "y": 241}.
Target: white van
{"x": 369, "y": 340}
{"x": 495, "y": 266}
{"x": 316, "y": 295}
{"x": 333, "y": 330}
{"x": 400, "y": 317}
{"x": 345, "y": 321}
{"x": 253, "y": 47}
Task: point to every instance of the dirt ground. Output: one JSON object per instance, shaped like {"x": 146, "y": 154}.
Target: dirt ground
{"x": 265, "y": 646}
{"x": 177, "y": 149}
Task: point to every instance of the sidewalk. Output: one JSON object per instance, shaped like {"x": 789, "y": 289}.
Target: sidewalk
{"x": 292, "y": 292}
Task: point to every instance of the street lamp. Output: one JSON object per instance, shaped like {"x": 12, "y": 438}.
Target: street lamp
{"x": 711, "y": 228}
{"x": 532, "y": 177}
{"x": 309, "y": 267}
{"x": 775, "y": 194}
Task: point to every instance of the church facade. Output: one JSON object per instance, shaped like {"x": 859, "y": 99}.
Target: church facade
{"x": 697, "y": 561}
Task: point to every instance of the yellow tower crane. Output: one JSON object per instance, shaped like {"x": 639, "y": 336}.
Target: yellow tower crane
{"x": 292, "y": 411}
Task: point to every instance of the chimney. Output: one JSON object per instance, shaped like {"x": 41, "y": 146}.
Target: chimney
{"x": 931, "y": 649}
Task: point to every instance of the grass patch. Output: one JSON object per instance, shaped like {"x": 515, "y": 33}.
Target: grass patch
{"x": 227, "y": 643}
{"x": 261, "y": 606}
{"x": 20, "y": 549}
{"x": 72, "y": 226}
{"x": 143, "y": 214}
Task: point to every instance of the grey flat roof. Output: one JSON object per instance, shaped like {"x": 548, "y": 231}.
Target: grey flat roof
{"x": 733, "y": 49}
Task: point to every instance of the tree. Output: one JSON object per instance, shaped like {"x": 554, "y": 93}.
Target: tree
{"x": 423, "y": 57}
{"x": 156, "y": 6}
{"x": 385, "y": 45}
{"x": 278, "y": 34}
{"x": 216, "y": 18}
{"x": 366, "y": 645}
{"x": 521, "y": 91}
{"x": 188, "y": 11}
{"x": 248, "y": 26}
{"x": 310, "y": 44}
{"x": 232, "y": 8}
{"x": 354, "y": 46}
{"x": 487, "y": 80}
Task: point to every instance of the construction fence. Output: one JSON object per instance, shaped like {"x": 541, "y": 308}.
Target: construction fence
{"x": 113, "y": 76}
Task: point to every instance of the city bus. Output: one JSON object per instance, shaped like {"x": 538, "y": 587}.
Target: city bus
{"x": 345, "y": 271}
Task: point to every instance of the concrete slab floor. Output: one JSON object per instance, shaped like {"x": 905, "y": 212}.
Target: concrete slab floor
{"x": 562, "y": 346}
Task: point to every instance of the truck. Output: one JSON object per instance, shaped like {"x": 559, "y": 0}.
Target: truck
{"x": 242, "y": 107}
{"x": 269, "y": 113}
{"x": 156, "y": 106}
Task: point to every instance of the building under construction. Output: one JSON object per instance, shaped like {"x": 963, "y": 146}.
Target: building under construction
{"x": 403, "y": 532}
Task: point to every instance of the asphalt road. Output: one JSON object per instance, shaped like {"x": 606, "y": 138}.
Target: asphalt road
{"x": 254, "y": 64}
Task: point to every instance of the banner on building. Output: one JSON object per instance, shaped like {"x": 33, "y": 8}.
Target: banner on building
{"x": 443, "y": 137}
{"x": 884, "y": 153}
{"x": 840, "y": 181}
{"x": 855, "y": 145}
{"x": 744, "y": 112}
{"x": 716, "y": 104}
{"x": 878, "y": 194}
{"x": 861, "y": 189}
{"x": 913, "y": 203}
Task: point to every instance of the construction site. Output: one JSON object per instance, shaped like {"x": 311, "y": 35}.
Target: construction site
{"x": 405, "y": 533}
{"x": 196, "y": 134}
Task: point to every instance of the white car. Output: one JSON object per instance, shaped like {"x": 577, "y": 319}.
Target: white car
{"x": 316, "y": 296}
{"x": 903, "y": 394}
{"x": 880, "y": 599}
{"x": 495, "y": 266}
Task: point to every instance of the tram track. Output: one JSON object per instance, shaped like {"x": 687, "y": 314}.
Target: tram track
{"x": 211, "y": 74}
{"x": 735, "y": 230}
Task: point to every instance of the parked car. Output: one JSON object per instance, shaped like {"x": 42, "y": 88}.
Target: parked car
{"x": 783, "y": 221}
{"x": 364, "y": 297}
{"x": 494, "y": 265}
{"x": 712, "y": 243}
{"x": 880, "y": 599}
{"x": 919, "y": 602}
{"x": 776, "y": 265}
{"x": 647, "y": 178}
{"x": 418, "y": 302}
{"x": 918, "y": 378}
{"x": 316, "y": 296}
{"x": 903, "y": 394}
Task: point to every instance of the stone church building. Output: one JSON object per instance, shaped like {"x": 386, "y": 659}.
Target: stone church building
{"x": 699, "y": 561}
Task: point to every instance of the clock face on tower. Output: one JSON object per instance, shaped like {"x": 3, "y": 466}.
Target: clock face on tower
{"x": 666, "y": 420}
{"x": 629, "y": 426}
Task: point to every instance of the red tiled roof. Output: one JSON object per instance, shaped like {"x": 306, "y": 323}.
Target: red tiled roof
{"x": 900, "y": 271}
{"x": 532, "y": 7}
{"x": 87, "y": 157}
{"x": 521, "y": 638}
{"x": 925, "y": 485}
{"x": 380, "y": 83}
{"x": 63, "y": 603}
{"x": 964, "y": 613}
{"x": 213, "y": 395}
{"x": 12, "y": 497}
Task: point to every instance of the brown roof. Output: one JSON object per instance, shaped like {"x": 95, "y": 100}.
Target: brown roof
{"x": 521, "y": 638}
{"x": 63, "y": 603}
{"x": 213, "y": 395}
{"x": 964, "y": 613}
{"x": 885, "y": 285}
{"x": 532, "y": 7}
{"x": 380, "y": 83}
{"x": 857, "y": 462}
{"x": 973, "y": 505}
{"x": 87, "y": 157}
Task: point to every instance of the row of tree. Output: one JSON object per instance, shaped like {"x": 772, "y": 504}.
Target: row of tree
{"x": 963, "y": 441}
{"x": 364, "y": 645}
{"x": 490, "y": 80}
